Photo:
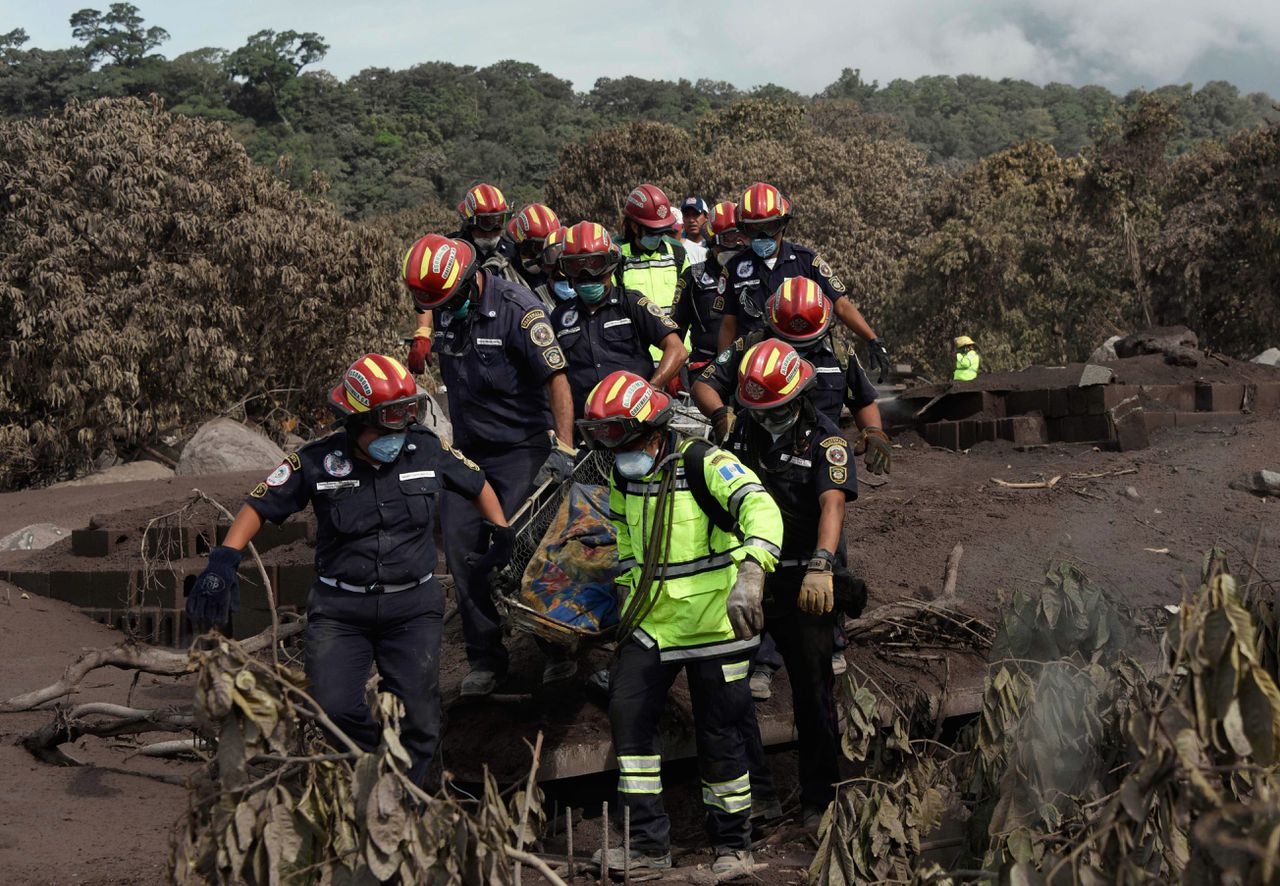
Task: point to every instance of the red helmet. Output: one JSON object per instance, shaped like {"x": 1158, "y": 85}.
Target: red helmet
{"x": 722, "y": 227}
{"x": 485, "y": 208}
{"x": 763, "y": 211}
{"x": 771, "y": 374}
{"x": 649, "y": 207}
{"x": 379, "y": 387}
{"x": 621, "y": 408}
{"x": 435, "y": 268}
{"x": 798, "y": 312}
{"x": 552, "y": 246}
{"x": 589, "y": 251}
{"x": 534, "y": 222}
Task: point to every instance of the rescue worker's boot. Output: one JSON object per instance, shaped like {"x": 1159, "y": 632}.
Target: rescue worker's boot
{"x": 555, "y": 671}
{"x": 640, "y": 861}
{"x": 478, "y": 683}
{"x": 762, "y": 685}
{"x": 730, "y": 864}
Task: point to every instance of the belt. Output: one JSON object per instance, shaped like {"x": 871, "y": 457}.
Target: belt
{"x": 377, "y": 587}
{"x": 786, "y": 564}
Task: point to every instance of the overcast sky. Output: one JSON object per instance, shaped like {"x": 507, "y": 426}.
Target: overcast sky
{"x": 1120, "y": 44}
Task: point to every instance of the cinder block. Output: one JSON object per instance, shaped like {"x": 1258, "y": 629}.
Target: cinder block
{"x": 1087, "y": 401}
{"x": 1024, "y": 429}
{"x": 1129, "y": 426}
{"x": 1025, "y": 402}
{"x": 92, "y": 542}
{"x": 1059, "y": 403}
{"x": 1266, "y": 397}
{"x": 31, "y": 582}
{"x": 1176, "y": 397}
{"x": 71, "y": 587}
{"x": 942, "y": 433}
{"x": 110, "y": 588}
{"x": 1079, "y": 428}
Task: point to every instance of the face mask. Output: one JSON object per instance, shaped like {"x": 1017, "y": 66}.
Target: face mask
{"x": 590, "y": 292}
{"x": 563, "y": 290}
{"x": 727, "y": 256}
{"x": 386, "y": 448}
{"x": 777, "y": 422}
{"x": 650, "y": 242}
{"x": 487, "y": 244}
{"x": 633, "y": 465}
{"x": 461, "y": 311}
{"x": 764, "y": 247}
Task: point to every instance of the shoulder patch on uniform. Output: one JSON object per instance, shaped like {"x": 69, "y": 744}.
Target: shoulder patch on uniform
{"x": 457, "y": 453}
{"x": 654, "y": 308}
{"x": 541, "y": 334}
{"x": 725, "y": 356}
{"x": 554, "y": 357}
{"x": 731, "y": 471}
{"x": 820, "y": 265}
{"x": 280, "y": 475}
{"x": 532, "y": 317}
{"x": 838, "y": 475}
{"x": 294, "y": 460}
{"x": 259, "y": 491}
{"x": 834, "y": 441}
{"x": 838, "y": 455}
{"x": 718, "y": 304}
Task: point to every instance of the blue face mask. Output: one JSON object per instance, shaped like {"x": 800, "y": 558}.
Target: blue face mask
{"x": 386, "y": 448}
{"x": 650, "y": 242}
{"x": 563, "y": 290}
{"x": 633, "y": 465}
{"x": 764, "y": 246}
{"x": 590, "y": 292}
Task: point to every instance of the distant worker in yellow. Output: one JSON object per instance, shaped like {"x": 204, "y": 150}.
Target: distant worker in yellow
{"x": 967, "y": 359}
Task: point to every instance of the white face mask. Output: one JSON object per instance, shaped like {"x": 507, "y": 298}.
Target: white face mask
{"x": 487, "y": 244}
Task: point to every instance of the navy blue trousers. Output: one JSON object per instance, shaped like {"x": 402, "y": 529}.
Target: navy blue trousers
{"x": 349, "y": 632}
{"x": 510, "y": 471}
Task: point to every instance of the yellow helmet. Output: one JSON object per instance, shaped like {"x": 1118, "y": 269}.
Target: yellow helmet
{"x": 963, "y": 341}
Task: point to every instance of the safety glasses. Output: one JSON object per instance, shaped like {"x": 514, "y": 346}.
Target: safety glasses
{"x": 768, "y": 228}
{"x": 609, "y": 433}
{"x": 595, "y": 265}
{"x": 397, "y": 415}
{"x": 732, "y": 239}
{"x": 489, "y": 221}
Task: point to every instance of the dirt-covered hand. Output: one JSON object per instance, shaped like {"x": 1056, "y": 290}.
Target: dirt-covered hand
{"x": 420, "y": 353}
{"x": 879, "y": 355}
{"x": 557, "y": 467}
{"x": 216, "y": 592}
{"x": 502, "y": 541}
{"x": 875, "y": 444}
{"x": 746, "y": 601}
{"x": 721, "y": 424}
{"x": 817, "y": 593}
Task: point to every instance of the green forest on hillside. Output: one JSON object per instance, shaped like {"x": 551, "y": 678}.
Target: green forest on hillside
{"x": 388, "y": 140}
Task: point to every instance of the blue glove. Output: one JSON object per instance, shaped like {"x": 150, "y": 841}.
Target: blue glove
{"x": 216, "y": 593}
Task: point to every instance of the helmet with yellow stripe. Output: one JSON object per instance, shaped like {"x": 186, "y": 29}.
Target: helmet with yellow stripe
{"x": 484, "y": 208}
{"x": 622, "y": 407}
{"x": 798, "y": 311}
{"x": 763, "y": 211}
{"x": 436, "y": 269}
{"x": 772, "y": 374}
{"x": 589, "y": 251}
{"x": 378, "y": 390}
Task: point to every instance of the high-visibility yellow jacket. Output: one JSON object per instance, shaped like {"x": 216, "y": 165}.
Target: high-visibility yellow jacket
{"x": 966, "y": 366}
{"x": 689, "y": 618}
{"x": 654, "y": 274}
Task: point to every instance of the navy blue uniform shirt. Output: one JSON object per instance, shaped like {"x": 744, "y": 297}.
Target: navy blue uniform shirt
{"x": 495, "y": 363}
{"x": 796, "y": 469}
{"x": 617, "y": 336}
{"x": 749, "y": 281}
{"x": 700, "y": 303}
{"x": 373, "y": 524}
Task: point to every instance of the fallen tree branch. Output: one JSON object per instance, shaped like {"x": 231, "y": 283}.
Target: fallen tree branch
{"x": 521, "y": 857}
{"x": 44, "y": 742}
{"x": 1038, "y": 484}
{"x": 135, "y": 656}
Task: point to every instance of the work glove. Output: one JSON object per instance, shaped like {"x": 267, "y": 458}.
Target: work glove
{"x": 746, "y": 601}
{"x": 502, "y": 540}
{"x": 878, "y": 448}
{"x": 879, "y": 355}
{"x": 558, "y": 466}
{"x": 721, "y": 424}
{"x": 216, "y": 592}
{"x": 817, "y": 593}
{"x": 850, "y": 593}
{"x": 420, "y": 351}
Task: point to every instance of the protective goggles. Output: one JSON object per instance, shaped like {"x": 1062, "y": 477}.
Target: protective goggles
{"x": 595, "y": 265}
{"x": 609, "y": 433}
{"x": 394, "y": 415}
{"x": 768, "y": 228}
{"x": 731, "y": 239}
{"x": 489, "y": 221}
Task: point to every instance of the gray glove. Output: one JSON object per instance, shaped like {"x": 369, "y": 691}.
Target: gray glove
{"x": 558, "y": 466}
{"x": 745, "y": 605}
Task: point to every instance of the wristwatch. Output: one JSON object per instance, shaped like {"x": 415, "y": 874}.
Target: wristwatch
{"x": 822, "y": 561}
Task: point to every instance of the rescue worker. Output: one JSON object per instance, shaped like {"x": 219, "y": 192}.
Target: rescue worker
{"x": 506, "y": 383}
{"x": 651, "y": 263}
{"x": 373, "y": 486}
{"x": 528, "y": 230}
{"x": 692, "y": 602}
{"x": 967, "y": 359}
{"x": 605, "y": 327}
{"x": 803, "y": 462}
{"x": 700, "y": 292}
{"x": 484, "y": 213}
{"x": 763, "y": 216}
